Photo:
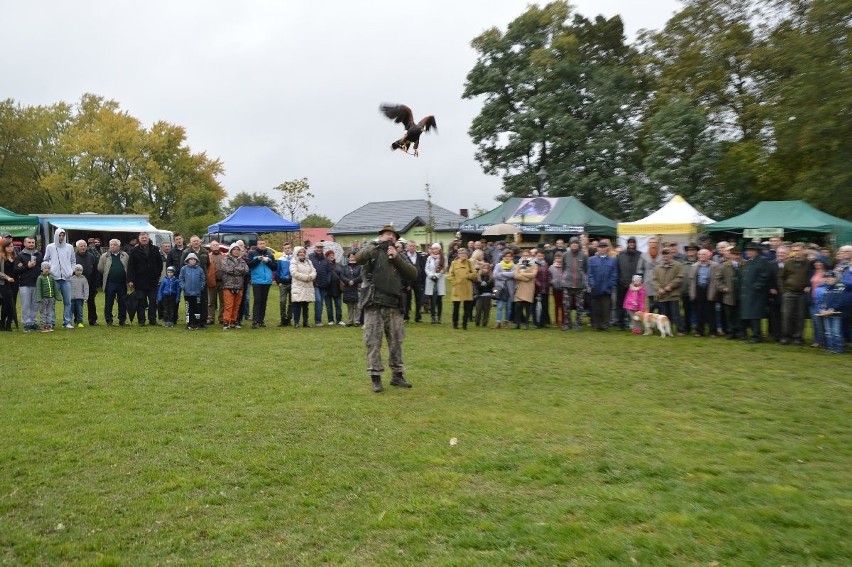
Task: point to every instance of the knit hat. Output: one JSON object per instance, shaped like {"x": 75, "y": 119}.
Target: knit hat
{"x": 298, "y": 249}
{"x": 170, "y": 269}
{"x": 45, "y": 265}
{"x": 631, "y": 239}
{"x": 637, "y": 278}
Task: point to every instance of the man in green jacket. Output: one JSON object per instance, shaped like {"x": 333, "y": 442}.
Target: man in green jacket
{"x": 794, "y": 285}
{"x": 381, "y": 300}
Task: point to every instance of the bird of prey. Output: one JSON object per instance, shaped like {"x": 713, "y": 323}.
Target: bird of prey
{"x": 401, "y": 114}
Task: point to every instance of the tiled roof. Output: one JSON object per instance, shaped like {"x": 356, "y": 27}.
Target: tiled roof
{"x": 401, "y": 214}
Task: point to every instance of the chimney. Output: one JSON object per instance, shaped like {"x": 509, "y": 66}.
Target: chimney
{"x": 463, "y": 212}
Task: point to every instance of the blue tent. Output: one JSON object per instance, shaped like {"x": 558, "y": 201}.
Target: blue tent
{"x": 254, "y": 219}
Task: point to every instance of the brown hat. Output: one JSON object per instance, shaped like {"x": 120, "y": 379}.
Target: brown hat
{"x": 389, "y": 228}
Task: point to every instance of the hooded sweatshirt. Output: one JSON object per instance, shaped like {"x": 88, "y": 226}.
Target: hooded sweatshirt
{"x": 193, "y": 279}
{"x": 61, "y": 257}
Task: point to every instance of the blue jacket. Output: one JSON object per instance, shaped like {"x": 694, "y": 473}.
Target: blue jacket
{"x": 193, "y": 280}
{"x": 282, "y": 272}
{"x": 169, "y": 286}
{"x": 603, "y": 274}
{"x": 835, "y": 297}
{"x": 261, "y": 273}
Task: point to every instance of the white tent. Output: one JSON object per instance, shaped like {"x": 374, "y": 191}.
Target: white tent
{"x": 676, "y": 221}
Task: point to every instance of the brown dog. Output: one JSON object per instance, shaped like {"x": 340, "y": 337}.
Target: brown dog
{"x": 651, "y": 321}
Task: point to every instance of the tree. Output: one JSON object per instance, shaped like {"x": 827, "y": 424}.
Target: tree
{"x": 295, "y": 195}
{"x": 316, "y": 221}
{"x": 243, "y": 199}
{"x": 559, "y": 96}
{"x": 681, "y": 157}
{"x": 95, "y": 157}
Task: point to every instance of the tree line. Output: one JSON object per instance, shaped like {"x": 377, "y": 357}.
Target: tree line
{"x": 731, "y": 103}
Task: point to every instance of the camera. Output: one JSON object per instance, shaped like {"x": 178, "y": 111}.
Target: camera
{"x": 384, "y": 245}
{"x": 525, "y": 263}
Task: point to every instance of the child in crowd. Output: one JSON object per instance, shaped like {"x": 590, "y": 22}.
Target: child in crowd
{"x": 79, "y": 294}
{"x": 634, "y": 301}
{"x": 167, "y": 295}
{"x": 834, "y": 307}
{"x": 45, "y": 294}
{"x": 193, "y": 282}
{"x": 558, "y": 284}
{"x": 484, "y": 289}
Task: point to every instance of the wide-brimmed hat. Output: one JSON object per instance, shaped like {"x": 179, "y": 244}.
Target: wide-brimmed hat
{"x": 388, "y": 227}
{"x": 753, "y": 246}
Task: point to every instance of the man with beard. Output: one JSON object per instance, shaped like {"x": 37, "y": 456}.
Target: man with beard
{"x": 144, "y": 267}
{"x": 628, "y": 262}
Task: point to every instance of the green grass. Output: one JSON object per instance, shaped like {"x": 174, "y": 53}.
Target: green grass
{"x": 153, "y": 446}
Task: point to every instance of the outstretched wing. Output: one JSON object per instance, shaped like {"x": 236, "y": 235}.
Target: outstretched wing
{"x": 399, "y": 113}
{"x": 428, "y": 123}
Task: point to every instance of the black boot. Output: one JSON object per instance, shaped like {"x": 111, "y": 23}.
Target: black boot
{"x": 377, "y": 383}
{"x": 399, "y": 380}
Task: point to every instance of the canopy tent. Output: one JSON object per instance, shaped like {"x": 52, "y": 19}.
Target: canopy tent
{"x": 786, "y": 218}
{"x": 254, "y": 219}
{"x": 544, "y": 215}
{"x": 101, "y": 223}
{"x": 17, "y": 225}
{"x": 677, "y": 221}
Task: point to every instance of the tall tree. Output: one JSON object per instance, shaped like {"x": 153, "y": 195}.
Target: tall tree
{"x": 561, "y": 96}
{"x": 681, "y": 158}
{"x": 810, "y": 86}
{"x": 243, "y": 199}
{"x": 315, "y": 220}
{"x": 295, "y": 195}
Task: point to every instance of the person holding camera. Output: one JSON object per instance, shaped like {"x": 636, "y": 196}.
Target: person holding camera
{"x": 384, "y": 271}
{"x": 525, "y": 273}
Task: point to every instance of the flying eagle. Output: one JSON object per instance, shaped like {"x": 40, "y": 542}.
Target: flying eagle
{"x": 401, "y": 114}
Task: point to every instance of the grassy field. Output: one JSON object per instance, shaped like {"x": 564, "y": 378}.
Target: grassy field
{"x": 159, "y": 446}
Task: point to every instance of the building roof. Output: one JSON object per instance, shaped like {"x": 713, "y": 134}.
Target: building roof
{"x": 401, "y": 214}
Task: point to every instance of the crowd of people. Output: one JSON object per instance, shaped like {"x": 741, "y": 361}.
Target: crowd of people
{"x": 704, "y": 289}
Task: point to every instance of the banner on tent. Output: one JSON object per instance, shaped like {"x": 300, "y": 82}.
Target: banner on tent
{"x": 762, "y": 232}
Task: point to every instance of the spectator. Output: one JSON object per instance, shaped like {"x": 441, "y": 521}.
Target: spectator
{"x": 776, "y": 262}
{"x": 27, "y": 270}
{"x": 525, "y": 272}
{"x": 634, "y": 302}
{"x": 175, "y": 257}
{"x": 282, "y": 276}
{"x": 702, "y": 292}
{"x": 628, "y": 266}
{"x": 603, "y": 277}
{"x": 351, "y": 275}
{"x": 304, "y": 274}
{"x": 79, "y": 293}
{"x": 60, "y": 256}
{"x": 234, "y": 270}
{"x": 215, "y": 298}
{"x": 835, "y": 305}
{"x": 484, "y": 291}
{"x": 167, "y": 297}
{"x": 817, "y": 286}
{"x": 203, "y": 262}
{"x": 460, "y": 276}
{"x": 648, "y": 261}
{"x": 794, "y": 282}
{"x": 557, "y": 284}
{"x": 541, "y": 315}
{"x": 113, "y": 267}
{"x": 144, "y": 267}
{"x": 193, "y": 283}
{"x": 504, "y": 286}
{"x": 8, "y": 286}
{"x": 754, "y": 290}
{"x": 261, "y": 262}
{"x": 668, "y": 279}
{"x": 418, "y": 286}
{"x": 323, "y": 277}
{"x": 575, "y": 267}
{"x": 45, "y": 295}
{"x": 436, "y": 286}
{"x": 334, "y": 291}
{"x": 690, "y": 258}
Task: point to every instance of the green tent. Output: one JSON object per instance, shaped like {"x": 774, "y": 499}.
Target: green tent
{"x": 792, "y": 217}
{"x": 544, "y": 215}
{"x": 17, "y": 225}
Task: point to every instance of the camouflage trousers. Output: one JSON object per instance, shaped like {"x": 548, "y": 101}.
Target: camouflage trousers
{"x": 573, "y": 297}
{"x": 387, "y": 321}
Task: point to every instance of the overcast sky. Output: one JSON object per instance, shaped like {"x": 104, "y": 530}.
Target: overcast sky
{"x": 284, "y": 89}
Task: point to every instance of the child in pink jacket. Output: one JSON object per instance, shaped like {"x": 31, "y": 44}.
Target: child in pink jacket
{"x": 635, "y": 301}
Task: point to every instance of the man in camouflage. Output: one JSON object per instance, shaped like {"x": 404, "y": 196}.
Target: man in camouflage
{"x": 381, "y": 300}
